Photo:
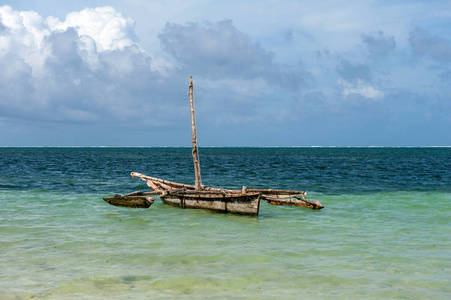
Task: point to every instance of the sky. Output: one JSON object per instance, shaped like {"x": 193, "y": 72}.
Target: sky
{"x": 266, "y": 73}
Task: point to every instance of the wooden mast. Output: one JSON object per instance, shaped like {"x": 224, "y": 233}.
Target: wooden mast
{"x": 195, "y": 150}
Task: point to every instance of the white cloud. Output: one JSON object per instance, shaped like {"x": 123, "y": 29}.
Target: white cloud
{"x": 75, "y": 70}
{"x": 107, "y": 27}
{"x": 359, "y": 88}
{"x": 26, "y": 34}
{"x": 22, "y": 35}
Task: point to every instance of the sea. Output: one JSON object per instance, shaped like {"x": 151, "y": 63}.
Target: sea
{"x": 385, "y": 231}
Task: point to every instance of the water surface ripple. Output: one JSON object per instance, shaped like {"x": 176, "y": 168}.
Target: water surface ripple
{"x": 383, "y": 234}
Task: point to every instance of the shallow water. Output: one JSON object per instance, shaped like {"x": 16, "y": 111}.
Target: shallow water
{"x": 384, "y": 231}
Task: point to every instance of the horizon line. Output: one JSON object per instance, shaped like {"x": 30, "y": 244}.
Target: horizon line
{"x": 315, "y": 146}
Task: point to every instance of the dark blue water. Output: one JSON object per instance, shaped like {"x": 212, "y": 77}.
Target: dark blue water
{"x": 320, "y": 170}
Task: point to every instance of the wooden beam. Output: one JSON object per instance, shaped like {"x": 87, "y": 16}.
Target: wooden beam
{"x": 195, "y": 150}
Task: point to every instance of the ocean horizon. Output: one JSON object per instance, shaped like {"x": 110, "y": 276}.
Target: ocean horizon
{"x": 375, "y": 146}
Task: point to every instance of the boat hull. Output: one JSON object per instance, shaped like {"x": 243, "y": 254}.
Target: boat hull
{"x": 244, "y": 204}
{"x": 129, "y": 201}
{"x": 313, "y": 204}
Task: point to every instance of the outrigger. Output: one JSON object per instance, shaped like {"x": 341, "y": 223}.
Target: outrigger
{"x": 245, "y": 201}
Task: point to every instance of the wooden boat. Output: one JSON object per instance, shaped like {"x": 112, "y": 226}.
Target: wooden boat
{"x": 244, "y": 201}
{"x": 136, "y": 199}
{"x": 271, "y": 196}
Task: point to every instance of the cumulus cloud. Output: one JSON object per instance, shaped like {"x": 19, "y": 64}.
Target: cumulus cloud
{"x": 89, "y": 67}
{"x": 379, "y": 45}
{"x": 79, "y": 69}
{"x": 219, "y": 50}
{"x": 22, "y": 34}
{"x": 109, "y": 29}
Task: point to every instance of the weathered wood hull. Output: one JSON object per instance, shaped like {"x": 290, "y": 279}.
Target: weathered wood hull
{"x": 244, "y": 204}
{"x": 129, "y": 201}
{"x": 271, "y": 196}
{"x": 313, "y": 204}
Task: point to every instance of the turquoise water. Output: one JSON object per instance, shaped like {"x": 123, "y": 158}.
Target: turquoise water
{"x": 384, "y": 232}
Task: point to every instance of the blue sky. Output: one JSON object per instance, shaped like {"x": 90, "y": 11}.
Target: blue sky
{"x": 266, "y": 73}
